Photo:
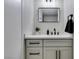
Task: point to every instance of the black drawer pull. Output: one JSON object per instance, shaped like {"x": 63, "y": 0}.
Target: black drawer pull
{"x": 34, "y": 53}
{"x": 34, "y": 43}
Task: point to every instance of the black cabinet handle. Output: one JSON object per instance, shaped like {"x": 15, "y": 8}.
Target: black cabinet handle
{"x": 59, "y": 54}
{"x": 34, "y": 53}
{"x": 34, "y": 43}
{"x": 56, "y": 54}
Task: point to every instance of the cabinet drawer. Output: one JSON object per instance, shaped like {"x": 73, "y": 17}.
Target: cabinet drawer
{"x": 34, "y": 43}
{"x": 58, "y": 42}
{"x": 34, "y": 53}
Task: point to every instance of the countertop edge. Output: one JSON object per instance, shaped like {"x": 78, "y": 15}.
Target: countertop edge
{"x": 47, "y": 37}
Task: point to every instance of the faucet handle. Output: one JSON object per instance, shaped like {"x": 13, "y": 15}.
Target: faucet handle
{"x": 57, "y": 33}
{"x": 54, "y": 29}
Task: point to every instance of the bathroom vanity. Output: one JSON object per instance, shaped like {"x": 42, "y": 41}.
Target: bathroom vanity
{"x": 44, "y": 23}
{"x": 48, "y": 47}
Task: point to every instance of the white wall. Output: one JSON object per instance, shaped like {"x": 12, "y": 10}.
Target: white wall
{"x": 66, "y": 8}
{"x": 30, "y": 20}
{"x": 12, "y": 46}
{"x": 27, "y": 16}
{"x": 44, "y": 26}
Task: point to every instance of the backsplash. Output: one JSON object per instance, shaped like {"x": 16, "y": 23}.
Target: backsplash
{"x": 49, "y": 25}
{"x": 30, "y": 21}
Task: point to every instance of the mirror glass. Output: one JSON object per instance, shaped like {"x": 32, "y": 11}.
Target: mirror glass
{"x": 48, "y": 14}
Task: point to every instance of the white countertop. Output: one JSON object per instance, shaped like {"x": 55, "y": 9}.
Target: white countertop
{"x": 48, "y": 36}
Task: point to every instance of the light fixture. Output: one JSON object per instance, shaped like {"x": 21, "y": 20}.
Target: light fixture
{"x": 46, "y": 0}
{"x": 49, "y": 0}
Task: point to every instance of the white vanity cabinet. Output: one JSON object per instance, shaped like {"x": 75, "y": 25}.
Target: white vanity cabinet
{"x": 50, "y": 53}
{"x": 58, "y": 49}
{"x": 49, "y": 49}
{"x": 34, "y": 43}
{"x": 34, "y": 53}
{"x": 33, "y": 49}
{"x": 58, "y": 53}
{"x": 65, "y": 53}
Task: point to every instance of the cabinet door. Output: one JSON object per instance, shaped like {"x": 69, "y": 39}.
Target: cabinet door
{"x": 50, "y": 53}
{"x": 34, "y": 53}
{"x": 66, "y": 53}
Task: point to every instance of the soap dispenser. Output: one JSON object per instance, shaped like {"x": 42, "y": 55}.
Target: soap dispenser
{"x": 47, "y": 32}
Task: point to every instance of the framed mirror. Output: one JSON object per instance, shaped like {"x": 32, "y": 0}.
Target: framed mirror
{"x": 48, "y": 14}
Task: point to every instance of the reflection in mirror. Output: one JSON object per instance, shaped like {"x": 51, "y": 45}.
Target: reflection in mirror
{"x": 48, "y": 14}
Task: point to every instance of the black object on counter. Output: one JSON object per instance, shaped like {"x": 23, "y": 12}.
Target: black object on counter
{"x": 70, "y": 24}
{"x": 54, "y": 29}
{"x": 51, "y": 33}
{"x": 57, "y": 33}
{"x": 47, "y": 32}
{"x": 37, "y": 29}
{"x": 54, "y": 33}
